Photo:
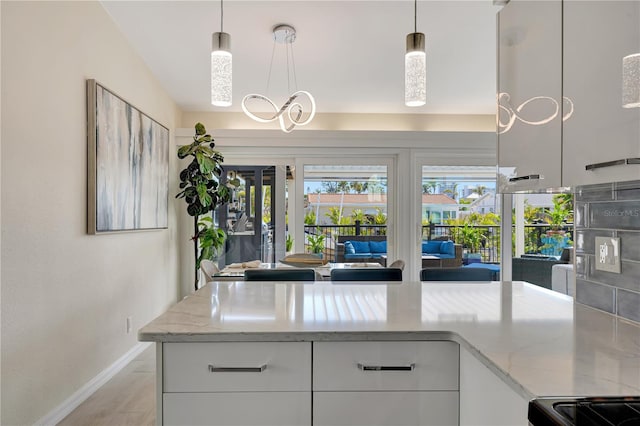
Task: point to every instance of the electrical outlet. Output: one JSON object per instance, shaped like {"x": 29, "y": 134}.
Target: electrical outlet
{"x": 608, "y": 254}
{"x": 129, "y": 321}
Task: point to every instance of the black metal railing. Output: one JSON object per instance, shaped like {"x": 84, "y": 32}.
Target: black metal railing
{"x": 487, "y": 236}
{"x": 332, "y": 232}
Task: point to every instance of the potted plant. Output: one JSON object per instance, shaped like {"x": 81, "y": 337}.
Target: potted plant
{"x": 472, "y": 238}
{"x": 556, "y": 239}
{"x": 316, "y": 243}
{"x": 200, "y": 187}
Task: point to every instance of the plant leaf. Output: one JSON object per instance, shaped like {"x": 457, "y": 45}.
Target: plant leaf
{"x": 184, "y": 150}
{"x": 207, "y": 165}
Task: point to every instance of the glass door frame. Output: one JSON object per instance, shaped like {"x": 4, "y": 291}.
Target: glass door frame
{"x": 419, "y": 161}
{"x": 388, "y": 160}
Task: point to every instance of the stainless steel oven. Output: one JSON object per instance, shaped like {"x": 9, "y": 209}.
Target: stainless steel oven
{"x": 587, "y": 411}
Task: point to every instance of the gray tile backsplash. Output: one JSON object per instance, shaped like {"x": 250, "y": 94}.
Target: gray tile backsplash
{"x": 608, "y": 210}
{"x": 596, "y": 295}
{"x": 615, "y": 215}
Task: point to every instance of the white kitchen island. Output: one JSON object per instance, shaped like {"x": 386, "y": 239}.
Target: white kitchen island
{"x": 398, "y": 353}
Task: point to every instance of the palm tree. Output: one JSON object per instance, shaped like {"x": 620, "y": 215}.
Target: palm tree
{"x": 429, "y": 187}
{"x": 358, "y": 214}
{"x": 452, "y": 191}
{"x": 480, "y": 189}
{"x": 330, "y": 187}
{"x": 359, "y": 187}
{"x": 334, "y": 214}
{"x": 343, "y": 186}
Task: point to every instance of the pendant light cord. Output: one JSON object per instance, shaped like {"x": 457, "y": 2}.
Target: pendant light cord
{"x": 273, "y": 53}
{"x": 295, "y": 77}
{"x": 221, "y": 16}
{"x": 288, "y": 51}
{"x": 415, "y": 16}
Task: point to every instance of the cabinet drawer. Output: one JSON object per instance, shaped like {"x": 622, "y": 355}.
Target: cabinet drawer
{"x": 238, "y": 409}
{"x": 226, "y": 367}
{"x": 352, "y": 366}
{"x": 385, "y": 408}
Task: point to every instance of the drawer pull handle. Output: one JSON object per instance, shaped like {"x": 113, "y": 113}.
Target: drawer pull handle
{"x": 527, "y": 177}
{"x": 364, "y": 367}
{"x": 622, "y": 162}
{"x": 214, "y": 369}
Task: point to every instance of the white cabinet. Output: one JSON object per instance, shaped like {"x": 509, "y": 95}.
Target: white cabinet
{"x": 529, "y": 95}
{"x": 485, "y": 400}
{"x": 561, "y": 120}
{"x": 385, "y": 383}
{"x": 237, "y": 367}
{"x": 236, "y": 383}
{"x": 385, "y": 408}
{"x": 597, "y": 35}
{"x": 237, "y": 408}
{"x": 374, "y": 383}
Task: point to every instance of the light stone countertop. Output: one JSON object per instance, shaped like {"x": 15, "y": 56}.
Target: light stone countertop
{"x": 538, "y": 341}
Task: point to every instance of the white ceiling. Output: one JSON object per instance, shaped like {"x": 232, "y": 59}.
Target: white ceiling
{"x": 348, "y": 54}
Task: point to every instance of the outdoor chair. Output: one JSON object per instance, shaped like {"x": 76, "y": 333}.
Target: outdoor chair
{"x": 284, "y": 274}
{"x": 397, "y": 264}
{"x": 208, "y": 269}
{"x": 456, "y": 274}
{"x": 366, "y": 274}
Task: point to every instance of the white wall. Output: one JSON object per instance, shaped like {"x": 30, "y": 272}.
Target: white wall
{"x": 66, "y": 294}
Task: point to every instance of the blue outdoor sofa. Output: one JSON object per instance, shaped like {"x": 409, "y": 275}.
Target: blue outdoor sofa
{"x": 371, "y": 248}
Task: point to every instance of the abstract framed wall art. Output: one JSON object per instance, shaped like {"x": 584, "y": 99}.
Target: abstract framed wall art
{"x": 127, "y": 167}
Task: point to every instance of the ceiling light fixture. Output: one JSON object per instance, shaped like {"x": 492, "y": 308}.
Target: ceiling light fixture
{"x": 631, "y": 81}
{"x": 221, "y": 69}
{"x": 415, "y": 66}
{"x": 291, "y": 113}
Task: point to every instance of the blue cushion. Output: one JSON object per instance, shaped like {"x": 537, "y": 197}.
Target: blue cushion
{"x": 378, "y": 246}
{"x": 431, "y": 246}
{"x": 361, "y": 246}
{"x": 447, "y": 247}
{"x": 348, "y": 248}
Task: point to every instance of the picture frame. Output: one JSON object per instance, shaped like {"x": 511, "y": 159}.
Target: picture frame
{"x": 127, "y": 165}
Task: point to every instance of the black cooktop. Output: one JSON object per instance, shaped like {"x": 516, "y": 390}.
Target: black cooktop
{"x": 588, "y": 411}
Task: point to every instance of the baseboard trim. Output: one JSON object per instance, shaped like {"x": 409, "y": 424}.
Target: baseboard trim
{"x": 56, "y": 415}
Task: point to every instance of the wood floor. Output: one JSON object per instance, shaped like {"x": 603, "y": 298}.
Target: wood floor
{"x": 128, "y": 399}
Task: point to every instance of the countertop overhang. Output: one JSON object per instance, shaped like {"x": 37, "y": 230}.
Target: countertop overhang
{"x": 539, "y": 342}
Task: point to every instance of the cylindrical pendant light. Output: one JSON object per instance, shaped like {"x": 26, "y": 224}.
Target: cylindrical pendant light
{"x": 221, "y": 67}
{"x": 415, "y": 67}
{"x": 415, "y": 71}
{"x": 631, "y": 81}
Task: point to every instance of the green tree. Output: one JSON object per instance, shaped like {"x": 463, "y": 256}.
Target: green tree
{"x": 452, "y": 192}
{"x": 334, "y": 214}
{"x": 531, "y": 213}
{"x": 429, "y": 187}
{"x": 358, "y": 214}
{"x": 310, "y": 218}
{"x": 359, "y": 187}
{"x": 480, "y": 189}
{"x": 344, "y": 187}
{"x": 330, "y": 187}
{"x": 380, "y": 218}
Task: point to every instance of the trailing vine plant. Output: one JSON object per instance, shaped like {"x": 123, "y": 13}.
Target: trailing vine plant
{"x": 200, "y": 187}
